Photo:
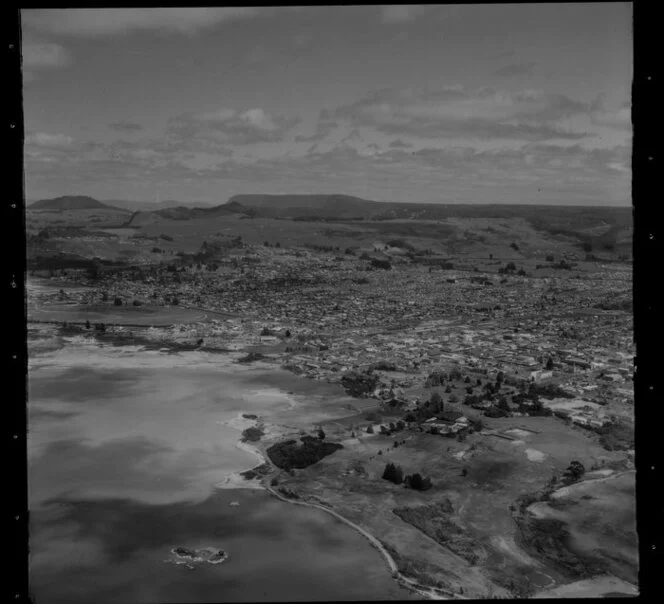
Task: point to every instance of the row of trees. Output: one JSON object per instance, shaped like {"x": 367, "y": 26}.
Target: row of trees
{"x": 415, "y": 481}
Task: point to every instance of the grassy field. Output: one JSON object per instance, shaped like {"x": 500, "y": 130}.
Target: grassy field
{"x": 473, "y": 233}
{"x": 474, "y": 541}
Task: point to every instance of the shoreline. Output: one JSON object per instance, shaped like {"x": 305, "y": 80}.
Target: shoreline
{"x": 430, "y": 593}
{"x": 235, "y": 480}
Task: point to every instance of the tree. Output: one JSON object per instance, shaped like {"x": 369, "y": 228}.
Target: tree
{"x": 321, "y": 434}
{"x": 500, "y": 378}
{"x": 514, "y": 246}
{"x": 417, "y": 482}
{"x": 574, "y": 471}
{"x": 87, "y": 325}
{"x": 549, "y": 364}
{"x": 393, "y": 473}
{"x": 435, "y": 400}
{"x": 288, "y": 333}
{"x": 370, "y": 429}
{"x": 117, "y": 301}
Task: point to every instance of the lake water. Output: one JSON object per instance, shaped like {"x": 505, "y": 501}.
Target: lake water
{"x": 125, "y": 448}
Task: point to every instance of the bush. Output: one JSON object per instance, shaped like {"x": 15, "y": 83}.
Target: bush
{"x": 252, "y": 434}
{"x": 384, "y": 366}
{"x": 117, "y": 302}
{"x": 378, "y": 263}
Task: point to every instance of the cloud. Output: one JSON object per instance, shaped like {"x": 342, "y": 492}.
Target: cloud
{"x": 404, "y": 13}
{"x": 127, "y": 127}
{"x": 455, "y": 111}
{"x": 515, "y": 69}
{"x": 230, "y": 126}
{"x": 605, "y": 114}
{"x": 399, "y": 144}
{"x": 108, "y": 22}
{"x": 49, "y": 141}
{"x": 44, "y": 56}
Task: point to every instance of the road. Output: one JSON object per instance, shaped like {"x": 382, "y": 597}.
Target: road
{"x": 427, "y": 592}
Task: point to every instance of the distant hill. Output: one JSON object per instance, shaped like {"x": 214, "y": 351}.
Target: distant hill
{"x": 72, "y": 202}
{"x": 291, "y": 206}
{"x": 149, "y": 206}
{"x": 184, "y": 213}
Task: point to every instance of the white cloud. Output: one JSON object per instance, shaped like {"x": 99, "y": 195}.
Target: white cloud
{"x": 455, "y": 111}
{"x": 50, "y": 141}
{"x": 105, "y": 22}
{"x": 403, "y": 13}
{"x": 230, "y": 126}
{"x": 44, "y": 56}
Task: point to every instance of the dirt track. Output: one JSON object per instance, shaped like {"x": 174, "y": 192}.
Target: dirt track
{"x": 427, "y": 592}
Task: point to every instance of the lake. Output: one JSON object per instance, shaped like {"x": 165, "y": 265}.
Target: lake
{"x": 124, "y": 449}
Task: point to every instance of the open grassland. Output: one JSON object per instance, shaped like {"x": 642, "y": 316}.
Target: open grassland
{"x": 473, "y": 542}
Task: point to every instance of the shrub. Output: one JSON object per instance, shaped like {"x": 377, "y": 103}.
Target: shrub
{"x": 252, "y": 434}
{"x": 378, "y": 263}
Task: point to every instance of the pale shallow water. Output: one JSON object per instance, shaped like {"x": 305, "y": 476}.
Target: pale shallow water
{"x": 125, "y": 447}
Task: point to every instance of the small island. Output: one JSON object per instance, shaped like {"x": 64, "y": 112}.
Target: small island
{"x": 211, "y": 555}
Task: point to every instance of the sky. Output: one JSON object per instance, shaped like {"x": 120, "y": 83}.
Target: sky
{"x": 520, "y": 103}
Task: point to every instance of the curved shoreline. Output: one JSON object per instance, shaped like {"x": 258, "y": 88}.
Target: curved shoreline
{"x": 430, "y": 593}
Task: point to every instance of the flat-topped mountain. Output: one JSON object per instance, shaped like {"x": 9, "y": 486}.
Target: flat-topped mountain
{"x": 145, "y": 217}
{"x": 72, "y": 202}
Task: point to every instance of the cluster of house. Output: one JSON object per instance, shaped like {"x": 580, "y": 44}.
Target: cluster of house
{"x": 327, "y": 314}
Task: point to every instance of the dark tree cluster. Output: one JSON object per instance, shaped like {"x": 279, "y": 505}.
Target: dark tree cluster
{"x": 379, "y": 263}
{"x": 435, "y": 378}
{"x": 574, "y": 472}
{"x": 415, "y": 481}
{"x": 359, "y": 383}
{"x": 289, "y": 454}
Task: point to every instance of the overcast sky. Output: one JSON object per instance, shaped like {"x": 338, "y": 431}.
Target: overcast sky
{"x": 490, "y": 104}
